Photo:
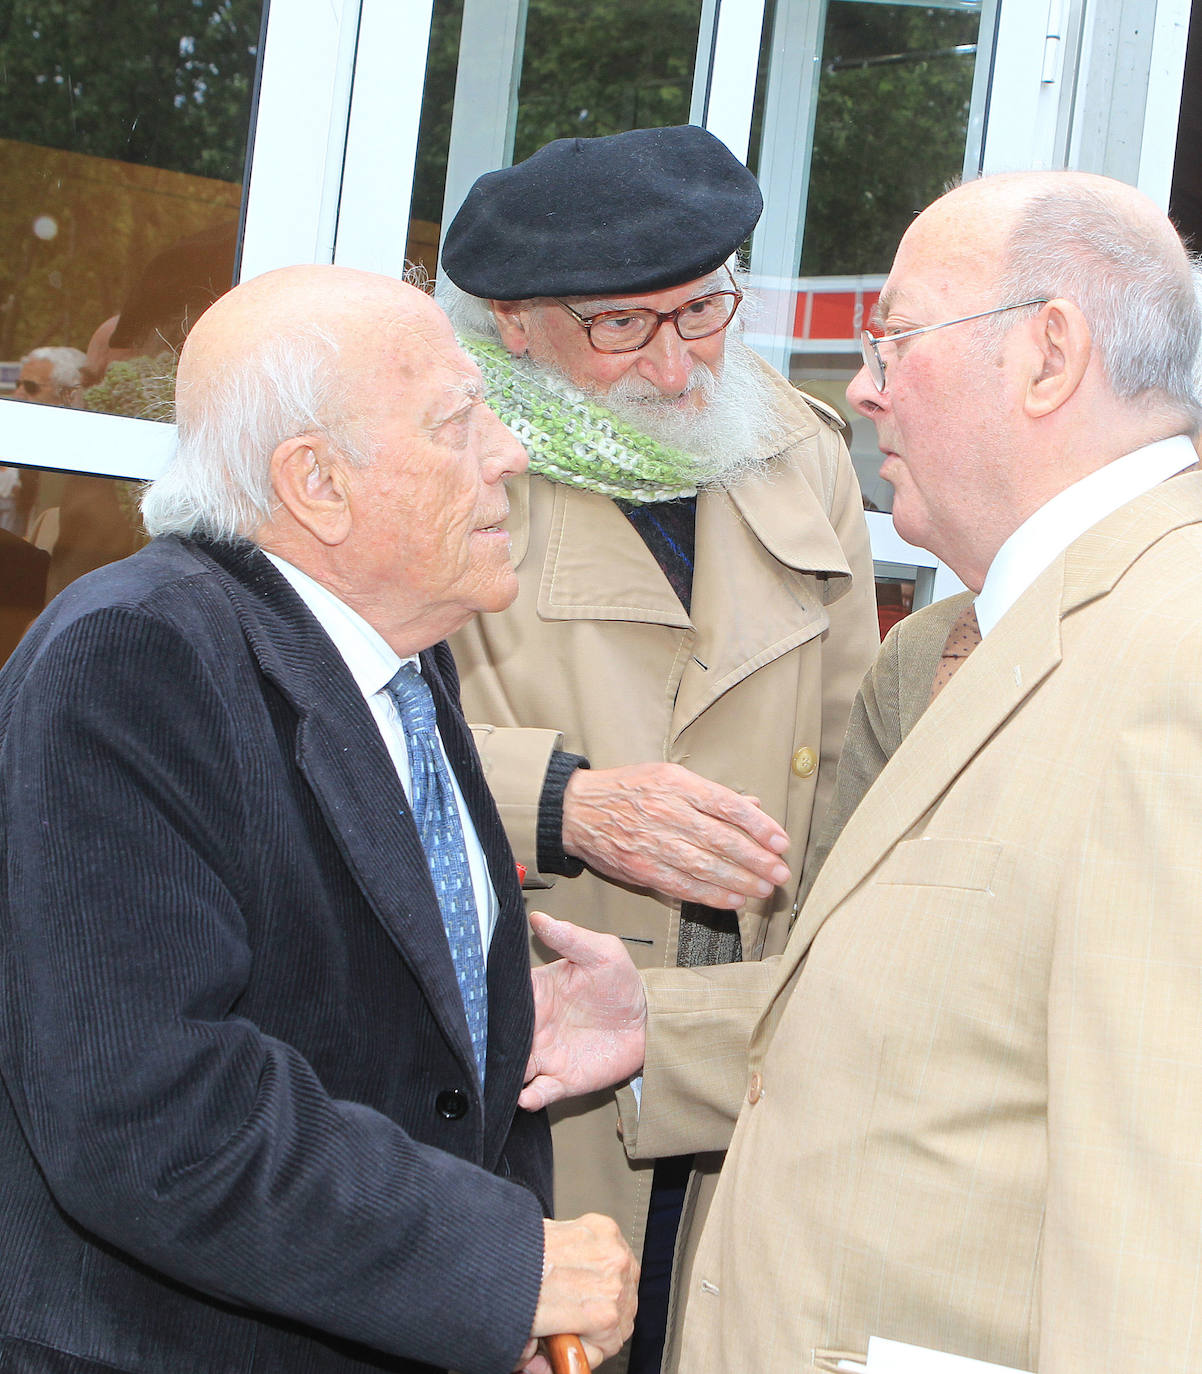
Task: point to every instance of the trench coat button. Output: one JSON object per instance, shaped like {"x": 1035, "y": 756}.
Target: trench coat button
{"x": 755, "y": 1089}
{"x": 451, "y": 1104}
{"x": 804, "y": 761}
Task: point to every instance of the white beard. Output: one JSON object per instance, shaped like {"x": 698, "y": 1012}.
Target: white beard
{"x": 732, "y": 435}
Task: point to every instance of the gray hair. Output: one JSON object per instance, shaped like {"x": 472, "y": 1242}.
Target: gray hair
{"x": 468, "y": 314}
{"x": 218, "y": 482}
{"x": 66, "y": 364}
{"x": 1138, "y": 300}
{"x": 1196, "y": 272}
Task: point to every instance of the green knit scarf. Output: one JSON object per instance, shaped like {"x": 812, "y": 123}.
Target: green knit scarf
{"x": 572, "y": 439}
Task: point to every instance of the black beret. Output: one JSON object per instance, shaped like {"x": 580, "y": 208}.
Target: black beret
{"x": 623, "y": 215}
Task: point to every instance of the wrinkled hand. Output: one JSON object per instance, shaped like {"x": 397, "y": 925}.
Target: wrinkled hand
{"x": 661, "y": 826}
{"x": 590, "y": 1287}
{"x": 590, "y": 1015}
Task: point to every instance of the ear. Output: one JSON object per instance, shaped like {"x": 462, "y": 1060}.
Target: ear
{"x": 1064, "y": 348}
{"x": 513, "y": 324}
{"x": 310, "y": 481}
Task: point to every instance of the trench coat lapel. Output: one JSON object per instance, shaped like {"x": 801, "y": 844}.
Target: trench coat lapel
{"x": 598, "y": 568}
{"x": 753, "y": 598}
{"x": 369, "y": 815}
{"x": 751, "y": 608}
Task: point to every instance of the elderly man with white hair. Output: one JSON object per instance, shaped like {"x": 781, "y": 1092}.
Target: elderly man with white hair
{"x": 51, "y": 376}
{"x": 265, "y": 988}
{"x": 661, "y": 709}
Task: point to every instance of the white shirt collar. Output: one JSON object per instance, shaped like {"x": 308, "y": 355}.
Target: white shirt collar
{"x": 1054, "y": 526}
{"x": 372, "y": 662}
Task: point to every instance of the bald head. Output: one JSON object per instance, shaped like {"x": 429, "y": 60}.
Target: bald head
{"x": 1094, "y": 241}
{"x": 1048, "y": 325}
{"x": 298, "y": 350}
{"x": 361, "y": 315}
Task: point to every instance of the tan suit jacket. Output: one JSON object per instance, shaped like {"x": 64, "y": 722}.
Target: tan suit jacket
{"x": 969, "y": 1094}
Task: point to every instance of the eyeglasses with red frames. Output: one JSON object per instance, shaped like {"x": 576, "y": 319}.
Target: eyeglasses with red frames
{"x": 626, "y": 331}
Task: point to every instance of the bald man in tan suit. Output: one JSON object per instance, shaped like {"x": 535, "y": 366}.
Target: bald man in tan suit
{"x": 964, "y": 1107}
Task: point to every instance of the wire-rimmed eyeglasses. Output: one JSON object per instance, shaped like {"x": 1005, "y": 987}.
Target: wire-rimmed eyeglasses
{"x": 870, "y": 343}
{"x": 625, "y": 331}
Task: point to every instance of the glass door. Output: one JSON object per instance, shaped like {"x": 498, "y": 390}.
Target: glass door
{"x": 125, "y": 144}
{"x": 865, "y": 111}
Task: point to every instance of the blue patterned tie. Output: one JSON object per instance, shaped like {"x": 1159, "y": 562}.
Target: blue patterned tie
{"x": 441, "y": 832}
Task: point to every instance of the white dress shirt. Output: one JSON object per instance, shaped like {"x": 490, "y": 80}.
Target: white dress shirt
{"x": 1054, "y": 526}
{"x": 373, "y": 665}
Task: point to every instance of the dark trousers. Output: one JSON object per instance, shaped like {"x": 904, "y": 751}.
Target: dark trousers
{"x": 668, "y": 1185}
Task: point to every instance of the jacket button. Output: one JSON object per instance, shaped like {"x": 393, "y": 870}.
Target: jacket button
{"x": 755, "y": 1089}
{"x": 804, "y": 761}
{"x": 451, "y": 1104}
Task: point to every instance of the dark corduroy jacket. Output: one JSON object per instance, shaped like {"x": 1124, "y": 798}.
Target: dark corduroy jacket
{"x": 241, "y": 1128}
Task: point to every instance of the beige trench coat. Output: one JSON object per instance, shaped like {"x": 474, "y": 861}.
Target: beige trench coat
{"x": 597, "y": 655}
{"x": 969, "y": 1096}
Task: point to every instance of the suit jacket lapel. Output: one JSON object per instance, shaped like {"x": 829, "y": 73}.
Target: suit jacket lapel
{"x": 1007, "y": 667}
{"x": 994, "y": 680}
{"x": 343, "y": 759}
{"x": 510, "y": 1012}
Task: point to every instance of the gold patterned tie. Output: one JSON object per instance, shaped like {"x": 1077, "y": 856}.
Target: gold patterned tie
{"x": 962, "y": 639}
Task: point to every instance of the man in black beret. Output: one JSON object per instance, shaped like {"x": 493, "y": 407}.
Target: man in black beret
{"x": 665, "y": 700}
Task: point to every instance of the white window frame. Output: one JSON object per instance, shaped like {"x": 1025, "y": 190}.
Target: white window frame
{"x": 292, "y": 205}
{"x": 331, "y": 176}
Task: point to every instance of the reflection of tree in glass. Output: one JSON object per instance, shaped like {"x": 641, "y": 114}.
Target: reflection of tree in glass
{"x": 143, "y": 388}
{"x": 123, "y": 129}
{"x": 587, "y": 69}
{"x": 438, "y": 98}
{"x": 165, "y": 84}
{"x": 892, "y": 114}
{"x": 598, "y": 69}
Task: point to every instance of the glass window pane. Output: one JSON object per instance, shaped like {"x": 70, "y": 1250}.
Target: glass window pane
{"x": 123, "y": 136}
{"x": 889, "y": 129}
{"x": 586, "y": 71}
{"x": 434, "y": 135}
{"x": 54, "y": 527}
{"x": 884, "y": 99}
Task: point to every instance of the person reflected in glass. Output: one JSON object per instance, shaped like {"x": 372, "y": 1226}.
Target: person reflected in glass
{"x": 51, "y": 377}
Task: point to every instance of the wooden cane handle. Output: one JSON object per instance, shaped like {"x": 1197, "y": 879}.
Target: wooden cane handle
{"x": 566, "y": 1354}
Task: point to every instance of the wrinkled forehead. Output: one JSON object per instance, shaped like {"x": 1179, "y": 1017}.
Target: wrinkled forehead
{"x": 417, "y": 359}
{"x": 948, "y": 260}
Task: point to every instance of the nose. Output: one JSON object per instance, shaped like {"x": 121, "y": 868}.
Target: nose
{"x": 504, "y": 456}
{"x": 863, "y": 395}
{"x": 666, "y": 361}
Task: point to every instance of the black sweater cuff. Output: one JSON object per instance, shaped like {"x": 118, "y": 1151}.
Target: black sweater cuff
{"x": 551, "y": 858}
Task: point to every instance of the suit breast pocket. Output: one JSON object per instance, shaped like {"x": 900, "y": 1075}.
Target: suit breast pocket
{"x": 939, "y": 862}
{"x": 952, "y": 928}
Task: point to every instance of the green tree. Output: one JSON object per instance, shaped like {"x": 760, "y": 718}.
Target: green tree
{"x": 166, "y": 84}
{"x": 893, "y": 104}
{"x": 123, "y": 128}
